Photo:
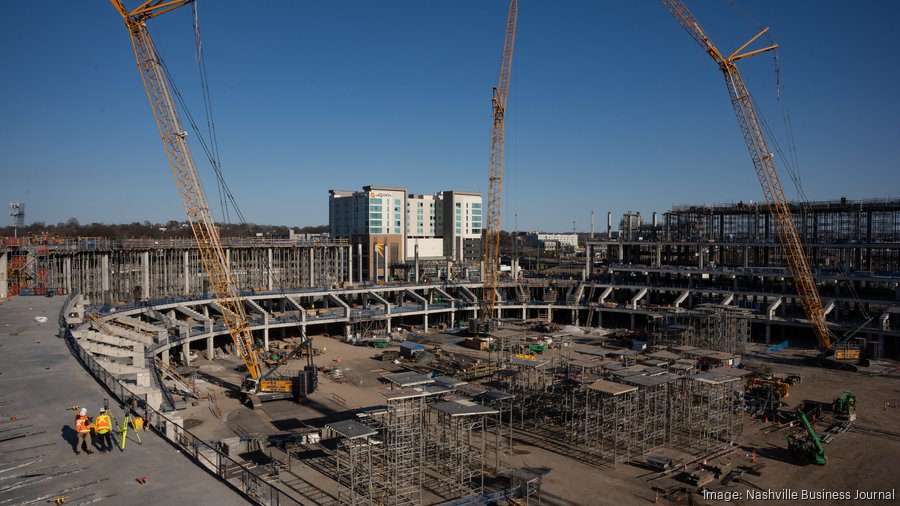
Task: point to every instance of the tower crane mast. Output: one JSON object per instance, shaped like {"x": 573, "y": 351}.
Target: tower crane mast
{"x": 174, "y": 139}
{"x": 764, "y": 163}
{"x": 495, "y": 177}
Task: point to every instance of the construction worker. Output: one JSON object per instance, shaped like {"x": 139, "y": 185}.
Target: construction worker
{"x": 83, "y": 428}
{"x": 103, "y": 427}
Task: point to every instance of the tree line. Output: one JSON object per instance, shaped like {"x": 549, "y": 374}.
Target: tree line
{"x": 140, "y": 230}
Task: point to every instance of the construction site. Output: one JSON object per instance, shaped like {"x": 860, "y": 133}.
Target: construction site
{"x": 718, "y": 353}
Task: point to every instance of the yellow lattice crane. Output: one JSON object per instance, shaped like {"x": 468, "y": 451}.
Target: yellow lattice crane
{"x": 764, "y": 162}
{"x": 495, "y": 177}
{"x": 258, "y": 385}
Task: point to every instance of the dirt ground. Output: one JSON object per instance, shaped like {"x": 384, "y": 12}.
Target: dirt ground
{"x": 858, "y": 460}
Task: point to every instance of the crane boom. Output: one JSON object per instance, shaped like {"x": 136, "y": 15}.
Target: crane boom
{"x": 186, "y": 176}
{"x": 764, "y": 162}
{"x": 495, "y": 178}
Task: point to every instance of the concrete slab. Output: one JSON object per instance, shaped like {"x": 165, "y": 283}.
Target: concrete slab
{"x": 41, "y": 381}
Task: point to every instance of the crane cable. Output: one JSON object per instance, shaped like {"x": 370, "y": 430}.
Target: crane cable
{"x": 207, "y": 106}
{"x": 791, "y": 160}
{"x": 227, "y": 196}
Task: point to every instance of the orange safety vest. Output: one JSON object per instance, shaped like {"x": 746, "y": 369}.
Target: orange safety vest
{"x": 81, "y": 425}
{"x": 102, "y": 424}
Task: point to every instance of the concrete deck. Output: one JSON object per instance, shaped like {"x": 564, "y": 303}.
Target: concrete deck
{"x": 40, "y": 380}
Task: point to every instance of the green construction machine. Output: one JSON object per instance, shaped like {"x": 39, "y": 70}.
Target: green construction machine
{"x": 806, "y": 447}
{"x": 845, "y": 405}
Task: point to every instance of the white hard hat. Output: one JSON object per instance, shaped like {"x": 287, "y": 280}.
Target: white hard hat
{"x": 103, "y": 410}
{"x": 83, "y": 411}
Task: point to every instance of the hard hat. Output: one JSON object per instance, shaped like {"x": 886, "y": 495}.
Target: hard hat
{"x": 83, "y": 411}
{"x": 103, "y": 410}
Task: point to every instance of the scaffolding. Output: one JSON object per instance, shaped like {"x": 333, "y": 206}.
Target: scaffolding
{"x": 711, "y": 327}
{"x": 501, "y": 427}
{"x": 708, "y": 411}
{"x": 403, "y": 457}
{"x": 654, "y": 409}
{"x": 531, "y": 382}
{"x": 458, "y": 449}
{"x": 353, "y": 462}
{"x": 606, "y": 421}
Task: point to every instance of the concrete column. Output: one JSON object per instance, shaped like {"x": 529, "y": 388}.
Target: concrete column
{"x": 350, "y": 264}
{"x": 104, "y": 276}
{"x": 453, "y": 313}
{"x": 389, "y": 318}
{"x": 359, "y": 257}
{"x": 416, "y": 265}
{"x": 588, "y": 261}
{"x": 269, "y": 267}
{"x": 266, "y": 331}
{"x": 210, "y": 349}
{"x": 145, "y": 276}
{"x": 658, "y": 257}
{"x": 187, "y": 274}
{"x": 67, "y": 275}
{"x": 387, "y": 262}
{"x": 312, "y": 266}
{"x": 164, "y": 356}
{"x": 4, "y": 266}
{"x": 186, "y": 351}
{"x": 425, "y": 326}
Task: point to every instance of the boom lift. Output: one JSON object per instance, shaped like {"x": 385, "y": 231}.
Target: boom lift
{"x": 491, "y": 262}
{"x": 806, "y": 446}
{"x": 258, "y": 386}
{"x": 764, "y": 162}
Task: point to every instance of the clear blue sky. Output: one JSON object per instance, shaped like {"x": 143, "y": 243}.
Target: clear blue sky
{"x": 612, "y": 106}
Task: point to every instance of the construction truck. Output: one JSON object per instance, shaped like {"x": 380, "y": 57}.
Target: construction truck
{"x": 806, "y": 446}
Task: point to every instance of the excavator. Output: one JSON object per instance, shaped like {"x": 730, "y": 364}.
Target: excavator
{"x": 835, "y": 354}
{"x": 258, "y": 386}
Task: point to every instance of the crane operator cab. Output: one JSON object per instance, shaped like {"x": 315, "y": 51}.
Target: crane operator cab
{"x": 297, "y": 386}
